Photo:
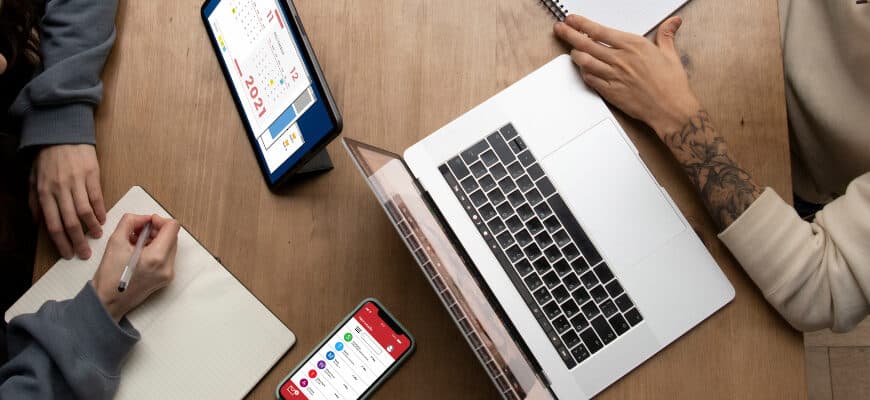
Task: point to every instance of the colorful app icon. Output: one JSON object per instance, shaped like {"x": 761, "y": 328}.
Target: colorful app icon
{"x": 312, "y": 374}
{"x": 348, "y": 337}
{"x": 303, "y": 382}
{"x": 339, "y": 346}
{"x": 330, "y": 355}
{"x": 321, "y": 364}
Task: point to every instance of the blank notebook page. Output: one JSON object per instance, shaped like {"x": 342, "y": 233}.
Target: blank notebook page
{"x": 635, "y": 16}
{"x": 203, "y": 337}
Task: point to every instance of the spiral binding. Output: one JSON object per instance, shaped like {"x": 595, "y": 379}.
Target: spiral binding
{"x": 557, "y": 8}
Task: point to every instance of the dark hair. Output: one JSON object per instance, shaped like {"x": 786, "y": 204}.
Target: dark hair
{"x": 19, "y": 39}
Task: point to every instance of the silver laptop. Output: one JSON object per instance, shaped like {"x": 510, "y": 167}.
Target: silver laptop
{"x": 563, "y": 262}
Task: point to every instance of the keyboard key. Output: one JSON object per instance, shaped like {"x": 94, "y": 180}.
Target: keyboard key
{"x": 608, "y": 308}
{"x": 571, "y": 282}
{"x": 526, "y": 158}
{"x": 487, "y": 212}
{"x": 560, "y": 294}
{"x": 469, "y": 184}
{"x": 544, "y": 240}
{"x": 505, "y": 240}
{"x": 534, "y": 226}
{"x": 535, "y": 172}
{"x": 561, "y": 237}
{"x": 562, "y": 268}
{"x": 497, "y": 171}
{"x": 525, "y": 184}
{"x": 508, "y": 132}
{"x": 590, "y": 310}
{"x": 573, "y": 227}
{"x": 604, "y": 273}
{"x": 542, "y": 296}
{"x": 546, "y": 187}
{"x": 495, "y": 196}
{"x": 504, "y": 211}
{"x": 543, "y": 211}
{"x": 514, "y": 254}
{"x": 552, "y": 253}
{"x": 501, "y": 148}
{"x": 581, "y": 295}
{"x": 523, "y": 268}
{"x": 496, "y": 226}
{"x": 523, "y": 238}
{"x": 515, "y": 169}
{"x": 525, "y": 212}
{"x": 477, "y": 169}
{"x": 570, "y": 308}
{"x": 552, "y": 224}
{"x": 458, "y": 167}
{"x": 624, "y": 303}
{"x": 571, "y": 252}
{"x": 614, "y": 288}
{"x": 534, "y": 197}
{"x": 471, "y": 155}
{"x": 579, "y": 322}
{"x": 507, "y": 185}
{"x": 561, "y": 324}
{"x": 580, "y": 265}
{"x": 633, "y": 317}
{"x": 552, "y": 310}
{"x": 533, "y": 282}
{"x": 542, "y": 266}
{"x": 590, "y": 339}
{"x": 514, "y": 224}
{"x": 619, "y": 324}
{"x": 580, "y": 353}
{"x": 516, "y": 198}
{"x": 598, "y": 293}
{"x": 603, "y": 329}
{"x": 487, "y": 183}
{"x": 489, "y": 158}
{"x": 571, "y": 339}
{"x": 552, "y": 280}
{"x": 532, "y": 251}
{"x": 589, "y": 279}
{"x": 565, "y": 354}
{"x": 517, "y": 145}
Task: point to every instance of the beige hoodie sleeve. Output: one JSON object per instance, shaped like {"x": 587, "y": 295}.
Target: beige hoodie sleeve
{"x": 817, "y": 275}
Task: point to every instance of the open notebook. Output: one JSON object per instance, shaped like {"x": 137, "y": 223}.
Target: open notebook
{"x": 203, "y": 337}
{"x": 635, "y": 16}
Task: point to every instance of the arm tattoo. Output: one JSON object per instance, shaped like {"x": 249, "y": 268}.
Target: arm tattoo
{"x": 727, "y": 190}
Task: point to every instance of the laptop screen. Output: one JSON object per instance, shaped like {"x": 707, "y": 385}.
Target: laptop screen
{"x": 453, "y": 280}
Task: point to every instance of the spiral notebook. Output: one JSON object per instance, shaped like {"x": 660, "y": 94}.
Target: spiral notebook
{"x": 203, "y": 337}
{"x": 634, "y": 16}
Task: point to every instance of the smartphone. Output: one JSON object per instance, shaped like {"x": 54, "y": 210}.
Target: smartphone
{"x": 354, "y": 360}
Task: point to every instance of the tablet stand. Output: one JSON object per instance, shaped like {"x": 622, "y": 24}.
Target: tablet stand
{"x": 319, "y": 163}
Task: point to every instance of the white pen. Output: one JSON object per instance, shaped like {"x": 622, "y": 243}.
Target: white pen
{"x": 134, "y": 259}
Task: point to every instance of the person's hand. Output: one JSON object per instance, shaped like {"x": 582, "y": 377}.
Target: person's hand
{"x": 65, "y": 191}
{"x": 645, "y": 80}
{"x": 153, "y": 272}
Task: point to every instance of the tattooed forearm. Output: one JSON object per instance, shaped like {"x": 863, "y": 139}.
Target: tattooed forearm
{"x": 727, "y": 190}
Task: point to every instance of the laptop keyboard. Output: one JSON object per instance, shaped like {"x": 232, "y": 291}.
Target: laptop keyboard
{"x": 546, "y": 254}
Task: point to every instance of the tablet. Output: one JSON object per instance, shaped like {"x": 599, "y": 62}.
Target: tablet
{"x": 276, "y": 82}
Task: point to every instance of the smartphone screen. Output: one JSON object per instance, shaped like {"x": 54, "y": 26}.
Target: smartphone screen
{"x": 353, "y": 359}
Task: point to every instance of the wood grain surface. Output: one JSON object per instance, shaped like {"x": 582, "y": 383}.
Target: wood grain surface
{"x": 399, "y": 70}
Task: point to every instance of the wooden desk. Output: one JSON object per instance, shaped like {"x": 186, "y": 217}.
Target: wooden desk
{"x": 400, "y": 70}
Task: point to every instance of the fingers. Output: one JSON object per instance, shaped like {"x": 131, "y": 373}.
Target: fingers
{"x": 592, "y": 65}
{"x": 33, "y": 201}
{"x": 580, "y": 41}
{"x": 666, "y": 33}
{"x": 167, "y": 235}
{"x": 594, "y": 82}
{"x": 600, "y": 33}
{"x": 72, "y": 225}
{"x": 85, "y": 211}
{"x": 129, "y": 225}
{"x": 95, "y": 195}
{"x": 55, "y": 225}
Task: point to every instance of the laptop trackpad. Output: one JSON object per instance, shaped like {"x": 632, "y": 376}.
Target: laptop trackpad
{"x": 609, "y": 190}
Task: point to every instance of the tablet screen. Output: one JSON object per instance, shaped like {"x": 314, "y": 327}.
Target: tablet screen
{"x": 281, "y": 100}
